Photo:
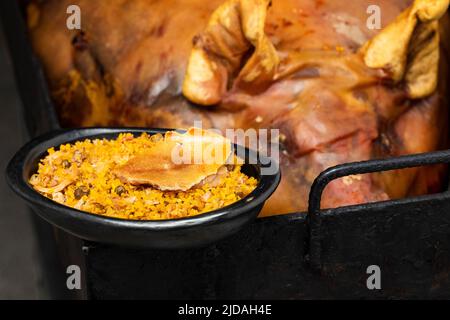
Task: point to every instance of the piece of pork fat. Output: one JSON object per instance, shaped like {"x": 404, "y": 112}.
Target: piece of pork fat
{"x": 180, "y": 161}
{"x": 312, "y": 71}
{"x": 335, "y": 107}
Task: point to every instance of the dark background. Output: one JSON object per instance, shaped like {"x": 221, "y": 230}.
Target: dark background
{"x": 18, "y": 254}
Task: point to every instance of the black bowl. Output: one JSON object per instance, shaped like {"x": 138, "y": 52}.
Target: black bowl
{"x": 188, "y": 232}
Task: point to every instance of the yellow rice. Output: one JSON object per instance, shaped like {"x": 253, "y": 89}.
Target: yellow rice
{"x": 80, "y": 175}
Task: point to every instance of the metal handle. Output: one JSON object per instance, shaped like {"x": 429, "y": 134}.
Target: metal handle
{"x": 317, "y": 188}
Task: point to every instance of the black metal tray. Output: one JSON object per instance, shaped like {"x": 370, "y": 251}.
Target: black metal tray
{"x": 321, "y": 254}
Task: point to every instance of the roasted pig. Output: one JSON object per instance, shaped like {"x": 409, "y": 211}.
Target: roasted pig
{"x": 337, "y": 89}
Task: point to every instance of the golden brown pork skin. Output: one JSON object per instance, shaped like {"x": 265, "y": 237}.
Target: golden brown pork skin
{"x": 332, "y": 101}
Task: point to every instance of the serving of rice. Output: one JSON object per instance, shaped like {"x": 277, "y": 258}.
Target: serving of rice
{"x": 81, "y": 175}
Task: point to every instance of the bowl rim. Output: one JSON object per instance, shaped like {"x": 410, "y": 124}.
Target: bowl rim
{"x": 15, "y": 174}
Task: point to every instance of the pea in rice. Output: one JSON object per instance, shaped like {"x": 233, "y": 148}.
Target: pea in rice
{"x": 81, "y": 175}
